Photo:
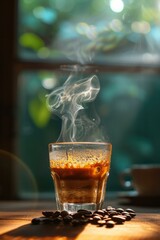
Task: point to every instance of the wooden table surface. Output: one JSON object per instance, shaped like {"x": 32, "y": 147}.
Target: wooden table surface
{"x": 15, "y": 223}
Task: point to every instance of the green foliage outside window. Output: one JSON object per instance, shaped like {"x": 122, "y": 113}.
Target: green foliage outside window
{"x": 55, "y": 29}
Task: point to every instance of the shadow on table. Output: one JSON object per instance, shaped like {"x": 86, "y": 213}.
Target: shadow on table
{"x": 140, "y": 201}
{"x": 30, "y": 231}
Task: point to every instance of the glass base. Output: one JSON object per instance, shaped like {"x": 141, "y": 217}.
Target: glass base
{"x": 74, "y": 207}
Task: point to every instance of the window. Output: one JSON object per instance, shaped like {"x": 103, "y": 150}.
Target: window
{"x": 119, "y": 39}
{"x": 89, "y": 31}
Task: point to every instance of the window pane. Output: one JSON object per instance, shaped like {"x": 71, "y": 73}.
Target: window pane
{"x": 36, "y": 128}
{"x": 127, "y": 104}
{"x": 115, "y": 31}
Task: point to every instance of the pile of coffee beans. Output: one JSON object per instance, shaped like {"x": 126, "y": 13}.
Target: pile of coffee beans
{"x": 107, "y": 217}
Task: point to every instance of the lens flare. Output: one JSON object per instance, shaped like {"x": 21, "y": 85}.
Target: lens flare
{"x": 22, "y": 168}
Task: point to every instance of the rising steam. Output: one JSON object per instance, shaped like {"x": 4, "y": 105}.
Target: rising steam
{"x": 68, "y": 102}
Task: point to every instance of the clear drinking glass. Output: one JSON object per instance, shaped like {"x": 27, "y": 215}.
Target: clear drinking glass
{"x": 80, "y": 171}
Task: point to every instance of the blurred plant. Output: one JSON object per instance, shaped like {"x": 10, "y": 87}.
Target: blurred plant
{"x": 38, "y": 110}
{"x": 45, "y": 26}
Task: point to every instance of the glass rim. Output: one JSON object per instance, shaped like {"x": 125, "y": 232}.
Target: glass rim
{"x": 79, "y": 143}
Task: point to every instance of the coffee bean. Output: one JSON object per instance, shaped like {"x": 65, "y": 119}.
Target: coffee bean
{"x": 84, "y": 211}
{"x": 106, "y": 215}
{"x": 112, "y": 213}
{"x": 90, "y": 219}
{"x": 100, "y": 212}
{"x": 96, "y": 219}
{"x": 36, "y": 221}
{"x": 88, "y": 215}
{"x": 120, "y": 210}
{"x": 118, "y": 219}
{"x": 128, "y": 217}
{"x": 56, "y": 214}
{"x": 67, "y": 219}
{"x": 110, "y": 224}
{"x": 101, "y": 222}
{"x": 125, "y": 213}
{"x": 97, "y": 215}
{"x": 47, "y": 213}
{"x": 64, "y": 213}
{"x": 77, "y": 215}
{"x": 104, "y": 210}
{"x": 107, "y": 219}
{"x": 132, "y": 214}
{"x": 110, "y": 208}
{"x": 130, "y": 210}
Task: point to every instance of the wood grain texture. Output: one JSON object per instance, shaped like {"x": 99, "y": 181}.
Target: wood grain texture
{"x": 17, "y": 226}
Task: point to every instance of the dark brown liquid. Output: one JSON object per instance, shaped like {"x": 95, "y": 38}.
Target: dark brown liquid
{"x": 81, "y": 185}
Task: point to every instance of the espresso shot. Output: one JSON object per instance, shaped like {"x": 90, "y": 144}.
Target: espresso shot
{"x": 80, "y": 172}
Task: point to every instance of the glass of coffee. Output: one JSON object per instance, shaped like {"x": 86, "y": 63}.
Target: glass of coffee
{"x": 80, "y": 171}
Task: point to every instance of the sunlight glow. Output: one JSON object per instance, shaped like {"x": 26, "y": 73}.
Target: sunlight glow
{"x": 45, "y": 14}
{"x": 49, "y": 83}
{"x": 141, "y": 27}
{"x": 116, "y": 25}
{"x": 116, "y": 5}
{"x": 88, "y": 30}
